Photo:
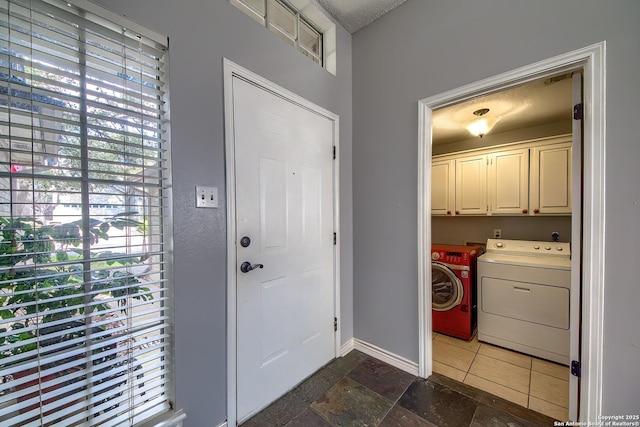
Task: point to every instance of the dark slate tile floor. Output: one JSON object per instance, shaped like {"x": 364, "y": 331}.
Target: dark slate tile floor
{"x": 358, "y": 390}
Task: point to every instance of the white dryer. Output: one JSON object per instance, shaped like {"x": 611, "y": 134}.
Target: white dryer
{"x": 524, "y": 290}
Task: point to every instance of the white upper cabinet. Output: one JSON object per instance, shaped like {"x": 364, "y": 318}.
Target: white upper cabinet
{"x": 527, "y": 178}
{"x": 443, "y": 187}
{"x": 508, "y": 182}
{"x": 551, "y": 179}
{"x": 471, "y": 185}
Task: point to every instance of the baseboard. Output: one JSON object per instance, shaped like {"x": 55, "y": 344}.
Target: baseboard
{"x": 224, "y": 424}
{"x": 347, "y": 347}
{"x": 170, "y": 420}
{"x": 386, "y": 356}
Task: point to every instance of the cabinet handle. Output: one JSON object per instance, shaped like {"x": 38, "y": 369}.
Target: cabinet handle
{"x": 448, "y": 212}
{"x": 457, "y": 212}
{"x": 524, "y": 211}
{"x": 536, "y": 211}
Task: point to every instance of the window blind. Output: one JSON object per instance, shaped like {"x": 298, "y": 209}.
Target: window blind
{"x": 84, "y": 219}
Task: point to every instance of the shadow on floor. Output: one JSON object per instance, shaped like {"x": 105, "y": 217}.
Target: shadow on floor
{"x": 358, "y": 390}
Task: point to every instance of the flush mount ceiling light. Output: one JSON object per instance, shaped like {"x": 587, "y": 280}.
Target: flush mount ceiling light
{"x": 482, "y": 124}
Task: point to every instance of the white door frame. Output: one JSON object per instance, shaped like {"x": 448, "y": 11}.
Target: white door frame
{"x": 591, "y": 60}
{"x": 232, "y": 70}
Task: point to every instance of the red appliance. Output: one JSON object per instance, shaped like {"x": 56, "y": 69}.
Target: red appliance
{"x": 453, "y": 289}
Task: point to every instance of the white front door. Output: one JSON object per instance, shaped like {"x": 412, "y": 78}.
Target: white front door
{"x": 284, "y": 212}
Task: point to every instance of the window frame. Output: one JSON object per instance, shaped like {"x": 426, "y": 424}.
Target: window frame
{"x": 103, "y": 18}
{"x": 300, "y": 19}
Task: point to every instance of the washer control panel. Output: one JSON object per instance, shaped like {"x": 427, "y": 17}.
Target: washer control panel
{"x": 453, "y": 254}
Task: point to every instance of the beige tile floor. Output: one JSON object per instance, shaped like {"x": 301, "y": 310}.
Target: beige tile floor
{"x": 526, "y": 380}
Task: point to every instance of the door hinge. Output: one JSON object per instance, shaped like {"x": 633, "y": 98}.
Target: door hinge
{"x": 335, "y": 238}
{"x": 334, "y": 152}
{"x": 575, "y": 368}
{"x": 335, "y": 324}
{"x": 578, "y": 111}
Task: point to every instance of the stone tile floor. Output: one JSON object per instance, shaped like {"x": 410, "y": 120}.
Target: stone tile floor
{"x": 358, "y": 390}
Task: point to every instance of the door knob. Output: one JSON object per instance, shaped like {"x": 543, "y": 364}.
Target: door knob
{"x": 246, "y": 266}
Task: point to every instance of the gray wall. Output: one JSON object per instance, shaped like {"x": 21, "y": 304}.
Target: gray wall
{"x": 426, "y": 47}
{"x": 461, "y": 229}
{"x": 201, "y": 33}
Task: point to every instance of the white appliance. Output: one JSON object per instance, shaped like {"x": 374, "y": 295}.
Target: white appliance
{"x": 524, "y": 290}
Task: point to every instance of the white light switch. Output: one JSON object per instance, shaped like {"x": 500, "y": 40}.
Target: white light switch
{"x": 206, "y": 197}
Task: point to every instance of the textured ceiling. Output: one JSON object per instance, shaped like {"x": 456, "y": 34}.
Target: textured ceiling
{"x": 355, "y": 14}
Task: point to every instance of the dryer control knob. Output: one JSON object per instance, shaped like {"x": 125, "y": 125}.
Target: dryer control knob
{"x": 435, "y": 256}
{"x": 536, "y": 247}
{"x": 499, "y": 245}
{"x": 548, "y": 248}
{"x": 559, "y": 248}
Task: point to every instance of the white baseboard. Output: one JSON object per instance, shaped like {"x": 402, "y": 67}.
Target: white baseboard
{"x": 174, "y": 420}
{"x": 347, "y": 347}
{"x": 386, "y": 356}
{"x": 224, "y": 424}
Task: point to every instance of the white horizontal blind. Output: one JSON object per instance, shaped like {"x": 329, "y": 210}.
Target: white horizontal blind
{"x": 84, "y": 226}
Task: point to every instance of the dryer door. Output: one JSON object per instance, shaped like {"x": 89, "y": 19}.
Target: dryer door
{"x": 446, "y": 288}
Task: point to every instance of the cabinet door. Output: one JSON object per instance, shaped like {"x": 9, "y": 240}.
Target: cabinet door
{"x": 551, "y": 179}
{"x": 508, "y": 184}
{"x": 442, "y": 187}
{"x": 471, "y": 185}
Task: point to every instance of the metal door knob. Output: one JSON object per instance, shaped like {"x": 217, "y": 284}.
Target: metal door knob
{"x": 246, "y": 266}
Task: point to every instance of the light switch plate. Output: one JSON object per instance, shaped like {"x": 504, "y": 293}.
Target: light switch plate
{"x": 206, "y": 197}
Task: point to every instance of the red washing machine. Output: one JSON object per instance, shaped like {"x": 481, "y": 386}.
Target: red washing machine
{"x": 453, "y": 289}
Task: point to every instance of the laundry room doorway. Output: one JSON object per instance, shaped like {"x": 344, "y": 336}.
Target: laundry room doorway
{"x": 586, "y": 209}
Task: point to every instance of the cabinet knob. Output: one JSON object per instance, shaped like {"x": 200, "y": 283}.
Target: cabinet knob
{"x": 448, "y": 212}
{"x": 524, "y": 211}
{"x": 457, "y": 212}
{"x": 536, "y": 211}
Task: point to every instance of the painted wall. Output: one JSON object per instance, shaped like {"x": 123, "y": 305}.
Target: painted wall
{"x": 201, "y": 33}
{"x": 426, "y": 47}
{"x": 509, "y": 137}
{"x": 462, "y": 229}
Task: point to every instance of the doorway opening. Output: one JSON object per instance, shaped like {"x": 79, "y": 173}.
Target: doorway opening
{"x": 590, "y": 61}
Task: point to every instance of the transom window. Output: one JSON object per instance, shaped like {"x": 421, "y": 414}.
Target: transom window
{"x": 284, "y": 20}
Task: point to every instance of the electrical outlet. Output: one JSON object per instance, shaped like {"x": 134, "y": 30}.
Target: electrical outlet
{"x": 206, "y": 197}
{"x": 497, "y": 233}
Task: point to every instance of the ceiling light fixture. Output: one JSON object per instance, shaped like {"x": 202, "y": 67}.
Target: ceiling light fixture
{"x": 482, "y": 124}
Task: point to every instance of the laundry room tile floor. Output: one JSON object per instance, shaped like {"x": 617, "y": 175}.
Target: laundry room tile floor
{"x": 358, "y": 390}
{"x": 530, "y": 382}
